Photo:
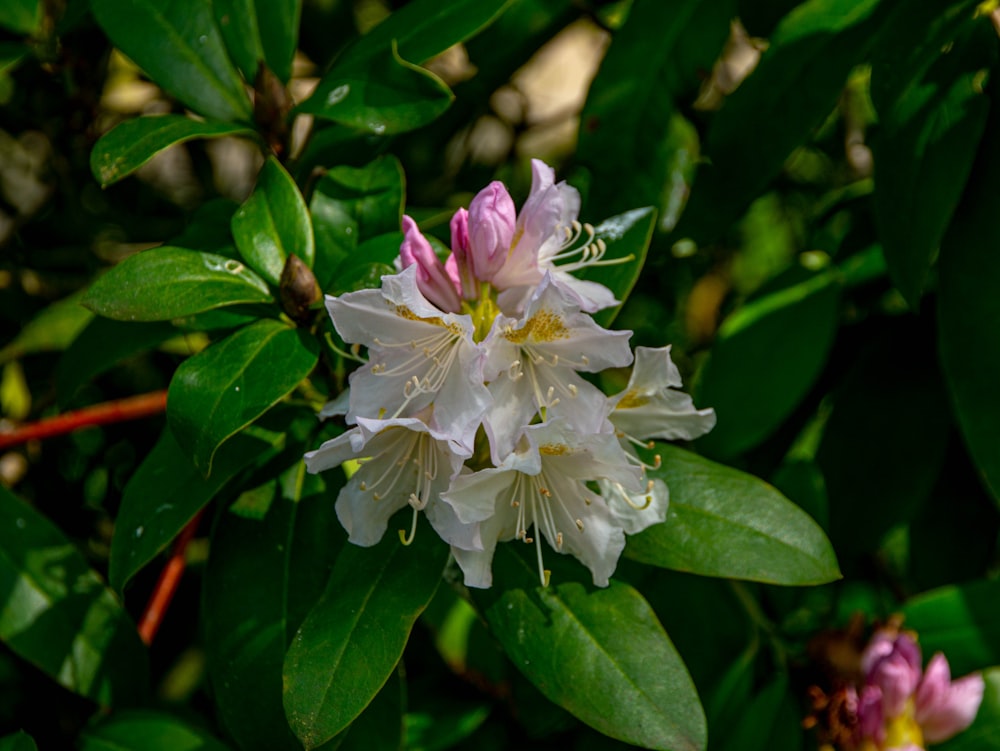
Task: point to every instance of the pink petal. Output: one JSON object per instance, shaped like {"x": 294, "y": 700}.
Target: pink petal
{"x": 944, "y": 707}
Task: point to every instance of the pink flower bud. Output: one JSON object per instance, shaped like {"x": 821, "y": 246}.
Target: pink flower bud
{"x": 432, "y": 278}
{"x": 945, "y": 707}
{"x": 871, "y": 721}
{"x": 459, "y": 259}
{"x": 893, "y": 664}
{"x": 491, "y": 229}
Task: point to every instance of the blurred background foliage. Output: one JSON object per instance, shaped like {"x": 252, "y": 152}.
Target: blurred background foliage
{"x": 824, "y": 264}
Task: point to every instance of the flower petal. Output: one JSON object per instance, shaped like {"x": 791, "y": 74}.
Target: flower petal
{"x": 945, "y": 707}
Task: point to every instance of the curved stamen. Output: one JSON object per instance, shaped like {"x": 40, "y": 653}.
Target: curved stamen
{"x": 408, "y": 540}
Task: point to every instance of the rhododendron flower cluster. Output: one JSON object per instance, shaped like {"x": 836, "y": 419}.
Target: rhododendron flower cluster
{"x": 901, "y": 707}
{"x": 471, "y": 407}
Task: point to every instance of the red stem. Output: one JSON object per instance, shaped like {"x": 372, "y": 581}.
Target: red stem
{"x": 119, "y": 410}
{"x": 166, "y": 587}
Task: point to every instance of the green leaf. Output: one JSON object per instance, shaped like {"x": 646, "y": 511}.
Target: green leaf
{"x": 381, "y": 724}
{"x": 352, "y": 639}
{"x": 53, "y": 328}
{"x": 227, "y": 386}
{"x": 382, "y": 95}
{"x": 769, "y": 722}
{"x": 21, "y": 16}
{"x": 602, "y": 655}
{"x": 19, "y": 741}
{"x": 101, "y": 345}
{"x": 723, "y": 522}
{"x": 924, "y": 150}
{"x": 58, "y": 615}
{"x": 793, "y": 327}
{"x": 626, "y": 235}
{"x": 263, "y": 575}
{"x": 178, "y": 44}
{"x": 273, "y": 223}
{"x": 257, "y": 30}
{"x": 129, "y": 145}
{"x": 167, "y": 491}
{"x": 351, "y": 205}
{"x": 885, "y": 440}
{"x": 968, "y": 309}
{"x": 146, "y": 731}
{"x": 166, "y": 283}
{"x": 371, "y": 260}
{"x": 961, "y": 621}
{"x": 984, "y": 733}
{"x": 791, "y": 91}
{"x": 627, "y": 124}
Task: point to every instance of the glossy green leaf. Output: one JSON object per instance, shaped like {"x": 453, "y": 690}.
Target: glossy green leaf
{"x": 166, "y": 283}
{"x": 351, "y": 205}
{"x": 129, "y": 145}
{"x": 165, "y": 493}
{"x": 961, "y": 621}
{"x": 273, "y": 223}
{"x": 263, "y": 575}
{"x": 568, "y": 640}
{"x": 626, "y": 235}
{"x": 21, "y": 16}
{"x": 769, "y": 721}
{"x": 885, "y": 439}
{"x": 53, "y": 328}
{"x": 626, "y": 124}
{"x": 147, "y": 731}
{"x": 984, "y": 733}
{"x": 179, "y": 45}
{"x": 382, "y": 95}
{"x": 924, "y": 151}
{"x": 101, "y": 345}
{"x": 968, "y": 309}
{"x": 791, "y": 91}
{"x": 227, "y": 386}
{"x": 723, "y": 522}
{"x": 426, "y": 28}
{"x": 350, "y": 643}
{"x": 19, "y": 741}
{"x": 57, "y": 613}
{"x": 795, "y": 325}
{"x": 257, "y": 30}
{"x": 381, "y": 724}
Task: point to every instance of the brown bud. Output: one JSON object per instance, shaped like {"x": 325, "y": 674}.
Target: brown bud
{"x": 271, "y": 105}
{"x": 298, "y": 289}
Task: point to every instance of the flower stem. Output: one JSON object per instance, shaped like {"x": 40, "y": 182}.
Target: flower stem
{"x": 119, "y": 410}
{"x": 166, "y": 586}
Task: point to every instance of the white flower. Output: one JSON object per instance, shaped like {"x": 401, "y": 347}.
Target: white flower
{"x": 541, "y": 490}
{"x": 416, "y": 353}
{"x": 532, "y": 365}
{"x": 403, "y": 462}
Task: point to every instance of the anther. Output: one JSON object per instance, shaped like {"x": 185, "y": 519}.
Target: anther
{"x": 579, "y": 524}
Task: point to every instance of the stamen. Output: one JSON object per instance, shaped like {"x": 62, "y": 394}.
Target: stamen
{"x": 413, "y": 531}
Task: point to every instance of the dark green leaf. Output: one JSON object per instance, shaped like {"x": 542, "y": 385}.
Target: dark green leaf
{"x": 101, "y": 345}
{"x": 57, "y": 614}
{"x": 723, "y": 522}
{"x": 351, "y": 641}
{"x": 769, "y": 721}
{"x": 128, "y": 146}
{"x": 227, "y": 386}
{"x": 178, "y": 44}
{"x": 167, "y": 491}
{"x": 21, "y": 16}
{"x": 426, "y": 28}
{"x": 569, "y": 640}
{"x": 54, "y": 328}
{"x": 794, "y": 325}
{"x": 370, "y": 261}
{"x": 627, "y": 125}
{"x": 984, "y": 733}
{"x": 961, "y": 621}
{"x": 351, "y": 205}
{"x": 626, "y": 235}
{"x": 257, "y": 30}
{"x": 382, "y": 95}
{"x": 885, "y": 440}
{"x": 166, "y": 283}
{"x": 924, "y": 151}
{"x": 146, "y": 731}
{"x": 263, "y": 575}
{"x": 968, "y": 309}
{"x": 790, "y": 92}
{"x": 19, "y": 741}
{"x": 380, "y": 725}
{"x": 273, "y": 223}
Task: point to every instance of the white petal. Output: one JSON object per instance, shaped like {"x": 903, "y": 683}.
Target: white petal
{"x": 332, "y": 453}
{"x": 633, "y": 512}
{"x": 336, "y": 406}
